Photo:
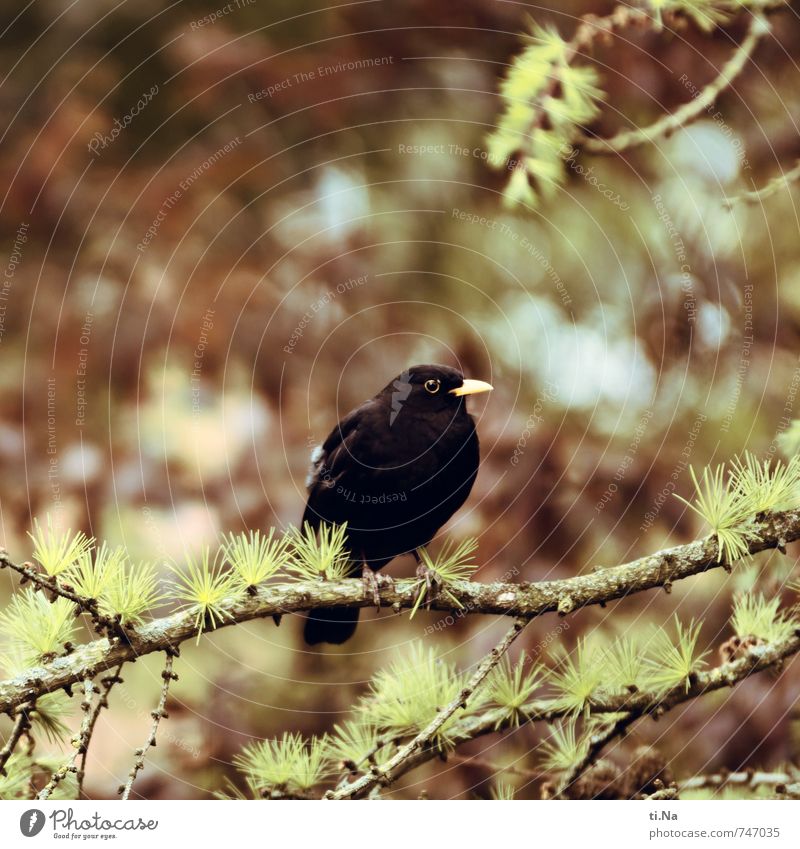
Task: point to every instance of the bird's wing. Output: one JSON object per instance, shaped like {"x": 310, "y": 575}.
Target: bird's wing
{"x": 328, "y": 464}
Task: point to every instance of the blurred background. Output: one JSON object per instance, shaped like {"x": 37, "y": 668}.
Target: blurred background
{"x": 225, "y": 225}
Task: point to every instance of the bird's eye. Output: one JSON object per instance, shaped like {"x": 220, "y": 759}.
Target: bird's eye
{"x": 432, "y": 385}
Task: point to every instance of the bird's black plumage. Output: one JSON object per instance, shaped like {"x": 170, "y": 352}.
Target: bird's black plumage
{"x": 395, "y": 469}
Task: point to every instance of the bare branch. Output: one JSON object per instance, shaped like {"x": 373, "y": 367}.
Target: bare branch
{"x": 108, "y": 682}
{"x": 520, "y": 600}
{"x": 168, "y": 677}
{"x": 21, "y": 724}
{"x": 80, "y": 742}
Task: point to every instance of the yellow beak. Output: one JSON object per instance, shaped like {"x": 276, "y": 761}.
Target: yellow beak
{"x": 472, "y": 387}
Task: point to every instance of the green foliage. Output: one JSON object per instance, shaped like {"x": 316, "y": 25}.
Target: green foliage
{"x": 405, "y": 697}
{"x": 35, "y": 627}
{"x": 764, "y": 486}
{"x": 754, "y": 616}
{"x": 502, "y": 792}
{"x": 56, "y": 552}
{"x": 546, "y": 100}
{"x": 510, "y": 687}
{"x": 668, "y": 664}
{"x": 355, "y": 740}
{"x": 49, "y": 715}
{"x": 286, "y": 764}
{"x": 92, "y": 577}
{"x": 205, "y": 588}
{"x": 255, "y": 557}
{"x": 564, "y": 748}
{"x": 453, "y": 563}
{"x": 623, "y": 663}
{"x": 133, "y": 591}
{"x": 577, "y": 676}
{"x": 321, "y": 555}
{"x": 728, "y": 501}
{"x": 727, "y": 509}
{"x": 15, "y": 784}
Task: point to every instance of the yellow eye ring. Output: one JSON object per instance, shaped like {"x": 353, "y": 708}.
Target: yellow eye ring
{"x": 432, "y": 386}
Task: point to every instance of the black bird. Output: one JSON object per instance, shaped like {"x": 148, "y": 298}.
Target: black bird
{"x": 395, "y": 469}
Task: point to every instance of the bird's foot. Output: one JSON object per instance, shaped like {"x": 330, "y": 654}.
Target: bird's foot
{"x": 373, "y": 583}
{"x": 431, "y": 580}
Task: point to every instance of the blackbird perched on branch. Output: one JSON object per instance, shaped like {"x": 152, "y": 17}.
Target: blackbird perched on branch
{"x": 395, "y": 470}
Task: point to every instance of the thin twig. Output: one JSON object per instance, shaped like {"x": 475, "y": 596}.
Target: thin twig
{"x": 597, "y": 743}
{"x": 21, "y": 724}
{"x": 759, "y": 27}
{"x": 108, "y": 682}
{"x": 383, "y": 774}
{"x": 782, "y": 181}
{"x": 80, "y": 742}
{"x": 168, "y": 676}
{"x": 506, "y": 599}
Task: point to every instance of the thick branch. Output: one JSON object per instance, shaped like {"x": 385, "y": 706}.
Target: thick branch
{"x": 520, "y": 600}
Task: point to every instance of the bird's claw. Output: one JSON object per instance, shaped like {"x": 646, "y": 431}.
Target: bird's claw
{"x": 373, "y": 583}
{"x": 431, "y": 579}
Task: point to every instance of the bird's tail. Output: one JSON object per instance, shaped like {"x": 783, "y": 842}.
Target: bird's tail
{"x": 330, "y": 625}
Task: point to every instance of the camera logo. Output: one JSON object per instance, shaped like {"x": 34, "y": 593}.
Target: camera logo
{"x": 31, "y": 822}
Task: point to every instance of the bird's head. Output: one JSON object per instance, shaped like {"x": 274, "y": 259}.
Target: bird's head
{"x": 430, "y": 388}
